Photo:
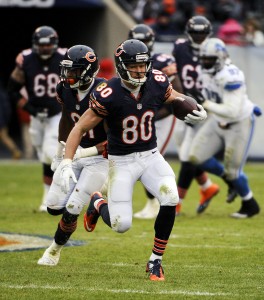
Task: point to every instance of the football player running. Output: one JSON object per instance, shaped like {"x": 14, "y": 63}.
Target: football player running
{"x": 37, "y": 69}
{"x": 165, "y": 125}
{"x": 129, "y": 107}
{"x": 186, "y": 53}
{"x": 78, "y": 70}
{"x": 232, "y": 123}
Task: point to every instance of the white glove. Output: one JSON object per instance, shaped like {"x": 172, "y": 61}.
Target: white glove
{"x": 199, "y": 115}
{"x": 55, "y": 162}
{"x": 65, "y": 174}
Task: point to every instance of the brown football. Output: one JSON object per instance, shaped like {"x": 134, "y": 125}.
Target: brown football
{"x": 183, "y": 106}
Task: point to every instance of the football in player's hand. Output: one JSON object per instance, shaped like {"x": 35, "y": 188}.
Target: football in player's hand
{"x": 183, "y": 106}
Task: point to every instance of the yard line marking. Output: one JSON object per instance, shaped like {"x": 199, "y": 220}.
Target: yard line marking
{"x": 209, "y": 246}
{"x": 115, "y": 291}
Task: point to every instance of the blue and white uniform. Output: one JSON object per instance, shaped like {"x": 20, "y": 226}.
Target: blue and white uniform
{"x": 231, "y": 124}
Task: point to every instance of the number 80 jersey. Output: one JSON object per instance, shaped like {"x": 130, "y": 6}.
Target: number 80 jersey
{"x": 130, "y": 120}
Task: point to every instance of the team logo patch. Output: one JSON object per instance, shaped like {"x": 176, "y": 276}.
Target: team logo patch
{"x": 11, "y": 242}
{"x": 77, "y": 107}
{"x": 139, "y": 106}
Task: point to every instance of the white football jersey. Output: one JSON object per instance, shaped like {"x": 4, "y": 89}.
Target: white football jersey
{"x": 227, "y": 91}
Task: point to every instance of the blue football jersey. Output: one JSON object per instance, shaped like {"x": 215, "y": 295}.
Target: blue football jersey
{"x": 73, "y": 108}
{"x": 130, "y": 120}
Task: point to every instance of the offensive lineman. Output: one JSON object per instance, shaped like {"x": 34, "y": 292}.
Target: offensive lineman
{"x": 78, "y": 70}
{"x": 38, "y": 70}
{"x": 128, "y": 105}
{"x": 232, "y": 123}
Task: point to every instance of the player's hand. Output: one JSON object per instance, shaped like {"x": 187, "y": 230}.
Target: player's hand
{"x": 197, "y": 116}
{"x": 257, "y": 111}
{"x": 65, "y": 174}
{"x": 55, "y": 162}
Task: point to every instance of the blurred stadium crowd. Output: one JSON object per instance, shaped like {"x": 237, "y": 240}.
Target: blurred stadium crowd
{"x": 168, "y": 17}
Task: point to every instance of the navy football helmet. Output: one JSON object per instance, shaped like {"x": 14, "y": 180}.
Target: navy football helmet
{"x": 131, "y": 52}
{"x": 143, "y": 33}
{"x": 45, "y": 41}
{"x": 79, "y": 66}
{"x": 165, "y": 63}
{"x": 198, "y": 29}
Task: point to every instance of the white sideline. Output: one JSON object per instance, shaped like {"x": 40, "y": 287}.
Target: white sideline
{"x": 114, "y": 291}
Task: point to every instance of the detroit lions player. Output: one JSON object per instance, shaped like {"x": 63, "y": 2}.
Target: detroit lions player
{"x": 129, "y": 104}
{"x": 38, "y": 70}
{"x": 78, "y": 70}
{"x": 232, "y": 123}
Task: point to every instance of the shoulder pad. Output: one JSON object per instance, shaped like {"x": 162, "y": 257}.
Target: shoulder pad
{"x": 230, "y": 77}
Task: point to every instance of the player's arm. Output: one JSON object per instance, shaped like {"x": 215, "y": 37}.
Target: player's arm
{"x": 87, "y": 121}
{"x": 176, "y": 83}
{"x": 15, "y": 83}
{"x": 231, "y": 105}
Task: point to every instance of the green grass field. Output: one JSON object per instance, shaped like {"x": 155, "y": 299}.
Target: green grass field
{"x": 210, "y": 256}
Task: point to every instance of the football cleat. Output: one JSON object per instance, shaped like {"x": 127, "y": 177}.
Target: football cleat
{"x": 178, "y": 209}
{"x": 91, "y": 216}
{"x": 206, "y": 197}
{"x": 155, "y": 270}
{"x": 248, "y": 209}
{"x": 50, "y": 257}
{"x": 231, "y": 195}
{"x": 150, "y": 211}
{"x": 43, "y": 208}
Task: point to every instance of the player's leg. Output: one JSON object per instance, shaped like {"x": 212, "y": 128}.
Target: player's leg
{"x": 159, "y": 178}
{"x": 213, "y": 166}
{"x": 117, "y": 213}
{"x": 165, "y": 129}
{"x": 238, "y": 140}
{"x": 204, "y": 146}
{"x": 189, "y": 171}
{"x": 57, "y": 205}
{"x": 36, "y": 130}
{"x": 49, "y": 148}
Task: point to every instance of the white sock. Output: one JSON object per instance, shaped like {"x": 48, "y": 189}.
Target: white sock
{"x": 207, "y": 184}
{"x": 55, "y": 246}
{"x": 248, "y": 196}
{"x": 155, "y": 256}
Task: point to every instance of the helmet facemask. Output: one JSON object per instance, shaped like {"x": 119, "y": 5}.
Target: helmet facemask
{"x": 126, "y": 74}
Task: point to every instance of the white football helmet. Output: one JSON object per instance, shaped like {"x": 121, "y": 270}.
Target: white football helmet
{"x": 213, "y": 55}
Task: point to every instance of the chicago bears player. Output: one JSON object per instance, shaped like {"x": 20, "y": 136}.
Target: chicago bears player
{"x": 232, "y": 123}
{"x": 165, "y": 126}
{"x": 129, "y": 103}
{"x": 38, "y": 70}
{"x": 78, "y": 70}
{"x": 186, "y": 53}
